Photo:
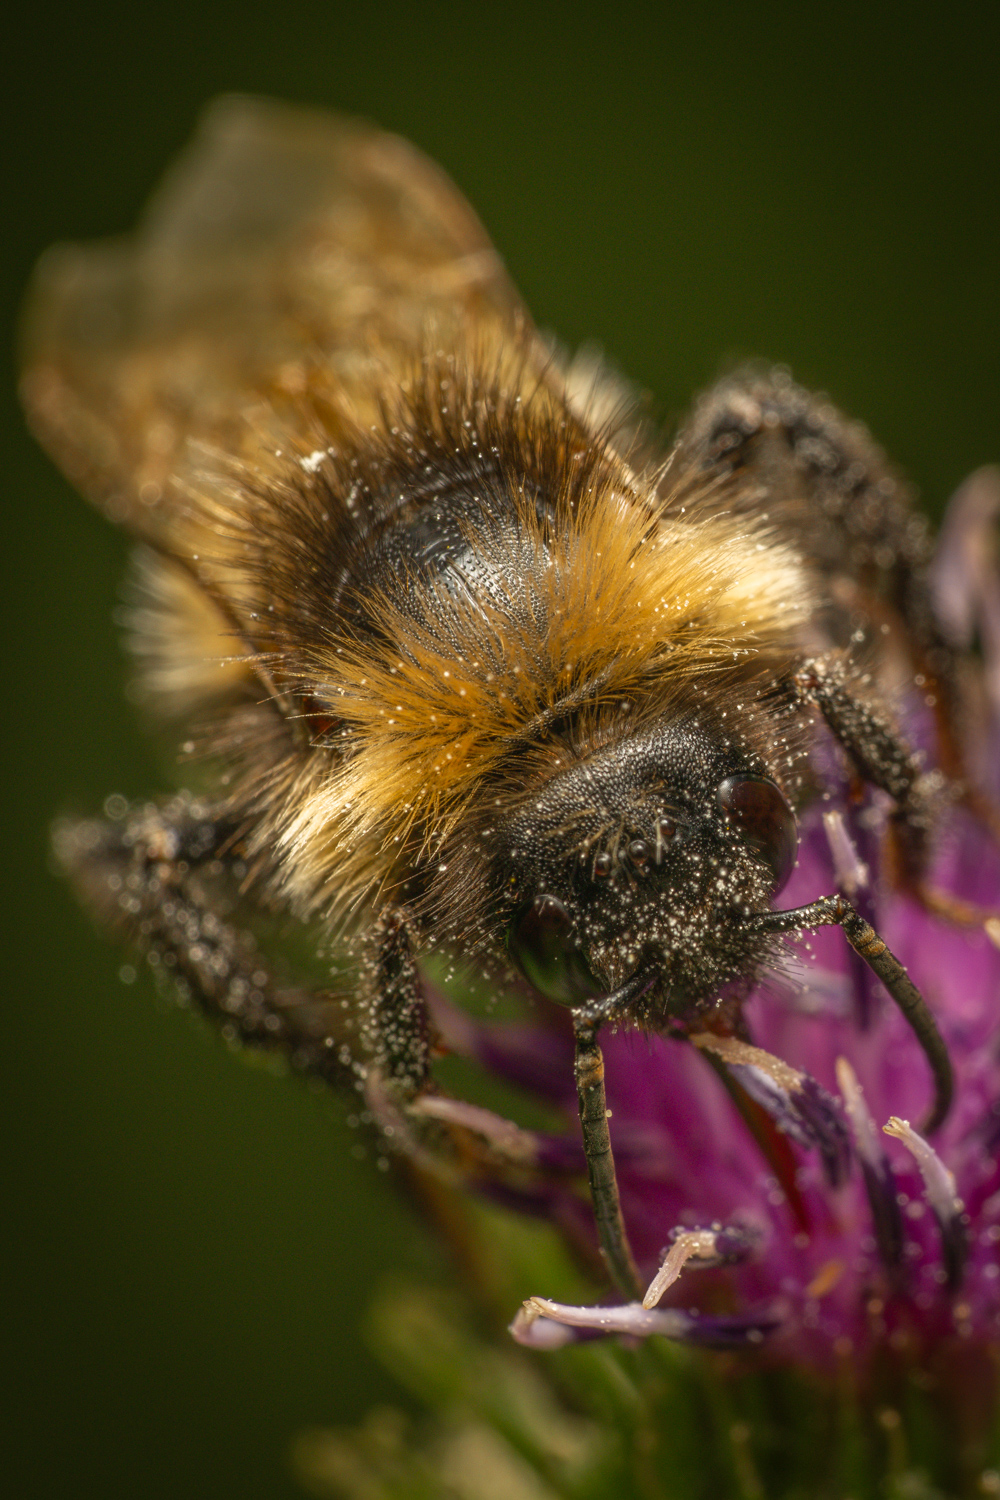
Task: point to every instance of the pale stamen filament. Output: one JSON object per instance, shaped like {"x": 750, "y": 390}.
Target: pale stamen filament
{"x": 851, "y": 871}
{"x": 695, "y": 1244}
{"x": 862, "y": 1125}
{"x": 939, "y": 1183}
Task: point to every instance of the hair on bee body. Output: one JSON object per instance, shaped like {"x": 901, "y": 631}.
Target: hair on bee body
{"x": 510, "y": 596}
{"x": 477, "y": 670}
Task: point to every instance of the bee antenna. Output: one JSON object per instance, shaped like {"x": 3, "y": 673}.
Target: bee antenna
{"x": 834, "y": 911}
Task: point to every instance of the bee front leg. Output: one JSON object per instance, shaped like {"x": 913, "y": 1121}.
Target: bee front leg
{"x": 611, "y": 1233}
{"x": 445, "y": 1135}
{"x": 831, "y": 911}
{"x": 398, "y": 1032}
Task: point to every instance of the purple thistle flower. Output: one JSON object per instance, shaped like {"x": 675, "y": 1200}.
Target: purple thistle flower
{"x": 800, "y": 1211}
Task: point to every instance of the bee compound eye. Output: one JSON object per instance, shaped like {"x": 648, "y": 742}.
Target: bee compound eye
{"x": 540, "y": 943}
{"x": 758, "y": 812}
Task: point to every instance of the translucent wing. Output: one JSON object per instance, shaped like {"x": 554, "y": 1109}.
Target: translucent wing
{"x": 285, "y": 252}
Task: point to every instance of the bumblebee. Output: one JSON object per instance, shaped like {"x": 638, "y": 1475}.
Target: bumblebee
{"x": 469, "y": 665}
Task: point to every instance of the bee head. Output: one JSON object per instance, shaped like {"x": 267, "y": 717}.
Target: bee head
{"x": 647, "y": 857}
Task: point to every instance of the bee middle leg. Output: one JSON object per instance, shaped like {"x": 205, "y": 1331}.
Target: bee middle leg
{"x": 166, "y": 877}
{"x": 882, "y": 757}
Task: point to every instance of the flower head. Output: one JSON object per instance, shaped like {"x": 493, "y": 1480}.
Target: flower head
{"x": 797, "y": 1206}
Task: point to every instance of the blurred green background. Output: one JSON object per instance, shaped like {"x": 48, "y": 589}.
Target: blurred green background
{"x": 192, "y": 1242}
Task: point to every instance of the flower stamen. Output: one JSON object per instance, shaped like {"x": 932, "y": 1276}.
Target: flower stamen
{"x": 850, "y": 870}
{"x": 694, "y": 1244}
{"x": 542, "y": 1324}
{"x": 876, "y": 1169}
{"x": 939, "y": 1186}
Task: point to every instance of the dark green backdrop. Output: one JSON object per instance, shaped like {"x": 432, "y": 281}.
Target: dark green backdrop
{"x": 192, "y": 1241}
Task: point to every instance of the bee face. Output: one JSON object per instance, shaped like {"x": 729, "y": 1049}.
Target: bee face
{"x": 647, "y": 858}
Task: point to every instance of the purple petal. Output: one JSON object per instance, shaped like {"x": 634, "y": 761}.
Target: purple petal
{"x": 538, "y": 1057}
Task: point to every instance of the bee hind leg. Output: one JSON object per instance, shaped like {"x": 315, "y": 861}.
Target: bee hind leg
{"x": 831, "y": 484}
{"x": 827, "y": 483}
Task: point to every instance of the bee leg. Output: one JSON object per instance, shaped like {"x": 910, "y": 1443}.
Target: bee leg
{"x": 612, "y": 1237}
{"x": 398, "y": 1038}
{"x": 831, "y": 483}
{"x": 442, "y": 1138}
{"x": 880, "y": 756}
{"x": 830, "y": 911}
{"x": 883, "y": 759}
{"x": 164, "y": 878}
